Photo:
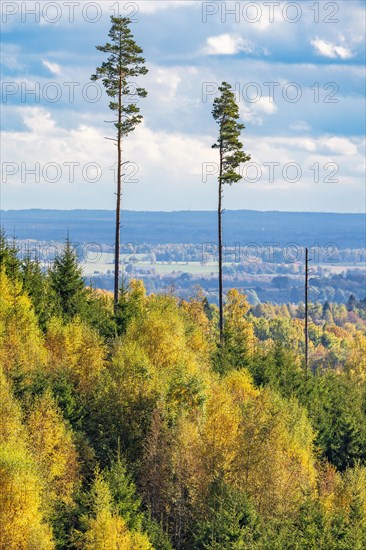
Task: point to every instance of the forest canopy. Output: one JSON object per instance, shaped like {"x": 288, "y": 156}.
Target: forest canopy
{"x": 137, "y": 431}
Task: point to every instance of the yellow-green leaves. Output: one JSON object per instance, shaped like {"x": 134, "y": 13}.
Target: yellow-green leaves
{"x": 22, "y": 507}
{"x": 21, "y": 343}
{"x": 106, "y": 530}
{"x": 77, "y": 350}
{"x": 53, "y": 448}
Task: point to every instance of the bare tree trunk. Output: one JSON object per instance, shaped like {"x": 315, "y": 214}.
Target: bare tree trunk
{"x": 219, "y": 212}
{"x": 306, "y": 310}
{"x": 118, "y": 203}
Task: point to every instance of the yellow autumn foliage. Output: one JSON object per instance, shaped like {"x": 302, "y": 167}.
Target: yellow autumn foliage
{"x": 162, "y": 336}
{"x": 199, "y": 331}
{"x": 76, "y": 349}
{"x": 53, "y": 448}
{"x": 256, "y": 441}
{"x": 22, "y": 515}
{"x": 356, "y": 361}
{"x": 21, "y": 342}
{"x": 350, "y": 490}
{"x": 237, "y": 326}
{"x": 106, "y": 530}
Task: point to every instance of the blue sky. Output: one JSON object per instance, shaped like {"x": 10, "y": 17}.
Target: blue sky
{"x": 298, "y": 69}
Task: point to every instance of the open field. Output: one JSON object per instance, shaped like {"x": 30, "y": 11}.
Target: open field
{"x": 104, "y": 263}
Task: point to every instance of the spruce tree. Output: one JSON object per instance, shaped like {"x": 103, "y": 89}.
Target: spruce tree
{"x": 123, "y": 492}
{"x": 352, "y": 303}
{"x": 124, "y": 62}
{"x": 226, "y": 114}
{"x": 35, "y": 284}
{"x": 67, "y": 282}
{"x": 230, "y": 521}
{"x": 9, "y": 260}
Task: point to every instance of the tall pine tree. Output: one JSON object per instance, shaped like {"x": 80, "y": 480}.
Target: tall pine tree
{"x": 124, "y": 62}
{"x": 226, "y": 114}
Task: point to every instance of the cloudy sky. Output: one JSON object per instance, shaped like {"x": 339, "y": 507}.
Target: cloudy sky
{"x": 297, "y": 69}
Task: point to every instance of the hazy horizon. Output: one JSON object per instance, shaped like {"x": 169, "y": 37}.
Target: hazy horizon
{"x": 182, "y": 210}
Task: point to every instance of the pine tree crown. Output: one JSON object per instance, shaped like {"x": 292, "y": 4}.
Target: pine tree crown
{"x": 226, "y": 113}
{"x": 124, "y": 62}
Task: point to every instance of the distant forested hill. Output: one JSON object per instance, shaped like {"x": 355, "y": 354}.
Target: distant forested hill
{"x": 243, "y": 226}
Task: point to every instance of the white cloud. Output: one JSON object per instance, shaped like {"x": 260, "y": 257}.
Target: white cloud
{"x": 339, "y": 146}
{"x": 172, "y": 153}
{"x": 11, "y": 56}
{"x": 170, "y": 79}
{"x": 266, "y": 105}
{"x": 38, "y": 120}
{"x": 323, "y": 145}
{"x": 331, "y": 50}
{"x": 251, "y": 112}
{"x": 227, "y": 44}
{"x": 132, "y": 9}
{"x": 300, "y": 125}
{"x": 54, "y": 68}
{"x": 151, "y": 6}
{"x": 294, "y": 144}
{"x": 169, "y": 163}
{"x": 171, "y": 167}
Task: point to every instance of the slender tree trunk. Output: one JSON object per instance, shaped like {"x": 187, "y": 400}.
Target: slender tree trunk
{"x": 219, "y": 213}
{"x": 306, "y": 310}
{"x": 118, "y": 202}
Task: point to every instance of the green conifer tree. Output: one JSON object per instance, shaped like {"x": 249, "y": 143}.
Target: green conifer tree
{"x": 67, "y": 282}
{"x": 231, "y": 522}
{"x": 123, "y": 492}
{"x": 231, "y": 155}
{"x": 9, "y": 260}
{"x": 124, "y": 62}
{"x": 36, "y": 285}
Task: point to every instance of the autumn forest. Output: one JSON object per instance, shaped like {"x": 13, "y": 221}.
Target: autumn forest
{"x": 134, "y": 420}
{"x": 136, "y": 431}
